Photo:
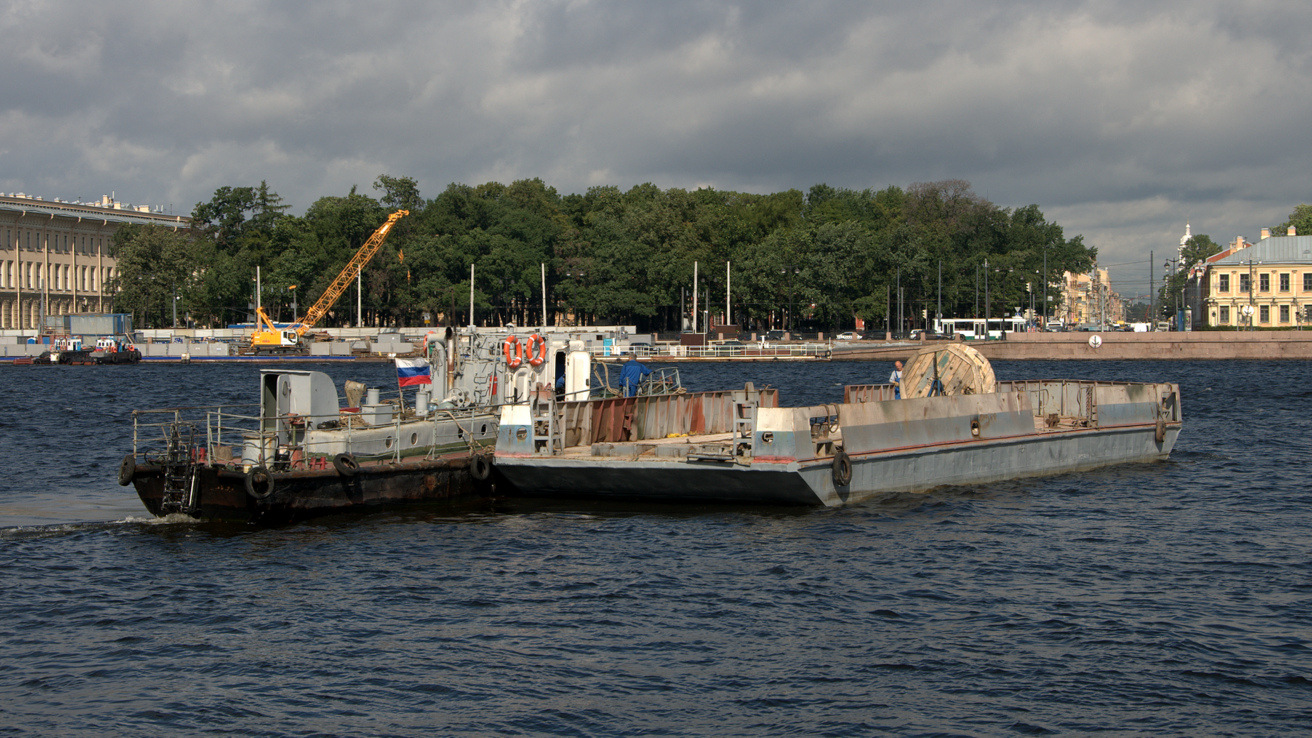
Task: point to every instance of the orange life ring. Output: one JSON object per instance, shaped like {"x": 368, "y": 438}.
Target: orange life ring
{"x": 536, "y": 355}
{"x": 514, "y": 352}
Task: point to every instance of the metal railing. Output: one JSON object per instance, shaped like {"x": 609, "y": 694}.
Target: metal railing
{"x": 238, "y": 435}
{"x": 728, "y": 351}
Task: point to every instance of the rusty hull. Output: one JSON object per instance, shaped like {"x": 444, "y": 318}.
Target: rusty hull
{"x": 222, "y": 493}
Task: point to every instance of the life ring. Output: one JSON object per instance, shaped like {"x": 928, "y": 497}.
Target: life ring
{"x": 346, "y": 465}
{"x": 1159, "y": 434}
{"x": 842, "y": 469}
{"x": 259, "y": 483}
{"x": 480, "y": 467}
{"x": 514, "y": 353}
{"x": 536, "y": 355}
{"x": 127, "y": 470}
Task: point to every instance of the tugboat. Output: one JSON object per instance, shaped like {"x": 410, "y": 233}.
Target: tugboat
{"x": 111, "y": 350}
{"x": 69, "y": 350}
{"x": 304, "y": 453}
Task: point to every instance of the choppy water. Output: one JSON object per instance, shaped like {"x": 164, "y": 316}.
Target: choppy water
{"x": 1149, "y": 599}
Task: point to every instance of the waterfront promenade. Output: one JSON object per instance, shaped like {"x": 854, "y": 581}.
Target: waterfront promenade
{"x": 1112, "y": 345}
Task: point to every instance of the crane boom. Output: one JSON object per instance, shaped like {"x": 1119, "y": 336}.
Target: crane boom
{"x": 339, "y": 285}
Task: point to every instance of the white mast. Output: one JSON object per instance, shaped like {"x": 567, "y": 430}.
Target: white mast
{"x": 694, "y": 297}
{"x": 727, "y": 277}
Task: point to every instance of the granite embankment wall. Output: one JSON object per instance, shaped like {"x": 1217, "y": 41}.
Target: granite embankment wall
{"x": 1115, "y": 345}
{"x": 1166, "y": 345}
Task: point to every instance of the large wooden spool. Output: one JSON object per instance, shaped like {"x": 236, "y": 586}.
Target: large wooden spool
{"x": 959, "y": 370}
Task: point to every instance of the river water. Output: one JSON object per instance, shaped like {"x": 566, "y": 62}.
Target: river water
{"x": 1171, "y": 598}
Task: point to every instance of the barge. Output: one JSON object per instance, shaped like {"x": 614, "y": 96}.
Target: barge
{"x": 956, "y": 425}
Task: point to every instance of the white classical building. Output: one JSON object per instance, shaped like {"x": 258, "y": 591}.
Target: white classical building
{"x": 55, "y": 255}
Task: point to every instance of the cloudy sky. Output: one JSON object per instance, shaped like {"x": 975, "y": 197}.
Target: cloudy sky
{"x": 1121, "y": 120}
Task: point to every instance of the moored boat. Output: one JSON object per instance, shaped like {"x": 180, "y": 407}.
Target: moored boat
{"x": 957, "y": 425}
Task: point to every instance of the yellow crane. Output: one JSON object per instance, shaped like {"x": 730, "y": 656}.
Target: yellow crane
{"x": 268, "y": 337}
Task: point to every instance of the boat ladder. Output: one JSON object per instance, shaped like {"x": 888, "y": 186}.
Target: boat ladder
{"x": 546, "y": 431}
{"x": 744, "y": 423}
{"x": 179, "y": 465}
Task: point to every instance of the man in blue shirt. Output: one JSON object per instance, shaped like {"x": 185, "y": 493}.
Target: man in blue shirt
{"x": 631, "y": 375}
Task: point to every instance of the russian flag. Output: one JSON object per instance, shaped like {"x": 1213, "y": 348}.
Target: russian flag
{"x": 411, "y": 372}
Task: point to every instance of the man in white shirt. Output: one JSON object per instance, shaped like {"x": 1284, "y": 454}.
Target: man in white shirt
{"x": 895, "y": 379}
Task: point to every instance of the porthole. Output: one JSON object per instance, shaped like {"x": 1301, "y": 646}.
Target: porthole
{"x": 483, "y": 430}
{"x": 521, "y": 434}
{"x": 390, "y": 441}
{"x": 414, "y": 439}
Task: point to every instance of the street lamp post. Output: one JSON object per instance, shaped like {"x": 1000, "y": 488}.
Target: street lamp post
{"x": 900, "y": 326}
{"x": 1045, "y": 286}
{"x": 1252, "y": 289}
{"x": 1170, "y": 264}
{"x": 792, "y": 271}
{"x": 292, "y": 287}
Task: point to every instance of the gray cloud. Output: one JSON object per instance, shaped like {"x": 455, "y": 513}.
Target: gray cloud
{"x": 1119, "y": 119}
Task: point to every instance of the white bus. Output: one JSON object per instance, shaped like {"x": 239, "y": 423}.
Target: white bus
{"x": 972, "y": 329}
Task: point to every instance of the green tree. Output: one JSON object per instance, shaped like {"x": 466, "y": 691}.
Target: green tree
{"x": 399, "y": 193}
{"x": 239, "y": 217}
{"x": 155, "y": 267}
{"x": 1300, "y": 219}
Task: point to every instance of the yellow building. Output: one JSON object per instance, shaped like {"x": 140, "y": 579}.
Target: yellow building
{"x": 1088, "y": 299}
{"x": 56, "y": 254}
{"x": 1263, "y": 285}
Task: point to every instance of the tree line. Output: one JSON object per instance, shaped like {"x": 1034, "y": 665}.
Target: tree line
{"x": 810, "y": 261}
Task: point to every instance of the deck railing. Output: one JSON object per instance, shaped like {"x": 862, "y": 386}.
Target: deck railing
{"x": 237, "y": 435}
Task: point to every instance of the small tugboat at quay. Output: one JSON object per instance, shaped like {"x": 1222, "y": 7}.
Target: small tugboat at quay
{"x": 67, "y": 350}
{"x": 955, "y": 425}
{"x": 301, "y": 452}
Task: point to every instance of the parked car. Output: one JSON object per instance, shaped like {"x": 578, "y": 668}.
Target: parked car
{"x": 731, "y": 347}
{"x": 774, "y": 335}
{"x": 929, "y": 335}
{"x": 848, "y": 336}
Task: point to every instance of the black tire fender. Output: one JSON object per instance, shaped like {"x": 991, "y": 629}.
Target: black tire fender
{"x": 346, "y": 465}
{"x": 127, "y": 469}
{"x": 480, "y": 467}
{"x": 259, "y": 483}
{"x": 842, "y": 468}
